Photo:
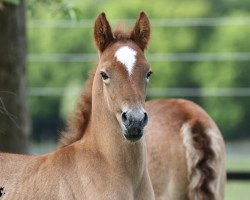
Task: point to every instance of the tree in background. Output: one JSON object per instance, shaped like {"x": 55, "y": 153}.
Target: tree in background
{"x": 13, "y": 113}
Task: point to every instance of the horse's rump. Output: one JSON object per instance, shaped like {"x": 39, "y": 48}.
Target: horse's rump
{"x": 186, "y": 151}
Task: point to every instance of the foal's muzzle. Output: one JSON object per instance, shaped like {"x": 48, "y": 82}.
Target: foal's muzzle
{"x": 134, "y": 122}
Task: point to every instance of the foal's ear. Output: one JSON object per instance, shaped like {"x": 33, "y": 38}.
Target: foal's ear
{"x": 141, "y": 31}
{"x": 102, "y": 32}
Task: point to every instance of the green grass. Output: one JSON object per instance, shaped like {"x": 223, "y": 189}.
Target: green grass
{"x": 238, "y": 190}
{"x": 238, "y": 165}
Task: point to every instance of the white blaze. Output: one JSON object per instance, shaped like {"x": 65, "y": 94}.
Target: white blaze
{"x": 127, "y": 57}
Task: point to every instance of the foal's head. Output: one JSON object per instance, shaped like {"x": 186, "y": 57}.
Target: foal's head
{"x": 123, "y": 73}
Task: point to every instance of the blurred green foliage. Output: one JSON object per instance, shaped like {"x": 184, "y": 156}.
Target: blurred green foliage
{"x": 232, "y": 114}
{"x": 15, "y": 2}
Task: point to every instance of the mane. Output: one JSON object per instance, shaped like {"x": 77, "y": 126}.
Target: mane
{"x": 78, "y": 123}
{"x": 121, "y": 32}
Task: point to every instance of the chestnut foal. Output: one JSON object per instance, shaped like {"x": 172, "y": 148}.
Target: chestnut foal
{"x": 110, "y": 161}
{"x": 185, "y": 148}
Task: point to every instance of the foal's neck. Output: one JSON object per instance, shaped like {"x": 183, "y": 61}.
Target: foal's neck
{"x": 106, "y": 137}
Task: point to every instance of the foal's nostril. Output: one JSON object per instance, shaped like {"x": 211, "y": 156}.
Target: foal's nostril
{"x": 145, "y": 119}
{"x": 124, "y": 116}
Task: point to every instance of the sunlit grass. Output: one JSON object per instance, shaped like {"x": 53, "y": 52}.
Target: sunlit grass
{"x": 238, "y": 165}
{"x": 238, "y": 190}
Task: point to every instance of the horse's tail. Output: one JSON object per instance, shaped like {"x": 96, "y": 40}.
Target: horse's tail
{"x": 205, "y": 161}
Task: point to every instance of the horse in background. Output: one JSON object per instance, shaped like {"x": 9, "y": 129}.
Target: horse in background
{"x": 109, "y": 162}
{"x": 186, "y": 151}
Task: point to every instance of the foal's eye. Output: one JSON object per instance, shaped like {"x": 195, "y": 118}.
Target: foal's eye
{"x": 104, "y": 76}
{"x": 149, "y": 74}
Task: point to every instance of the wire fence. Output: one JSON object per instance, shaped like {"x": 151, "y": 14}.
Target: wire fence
{"x": 154, "y": 57}
{"x": 160, "y": 92}
{"x": 175, "y": 22}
